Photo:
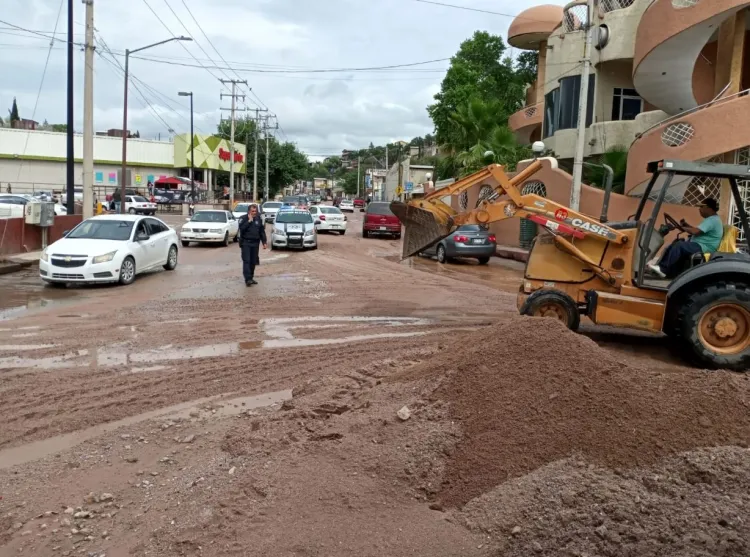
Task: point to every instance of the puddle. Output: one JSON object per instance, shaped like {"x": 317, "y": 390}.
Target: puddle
{"x": 66, "y": 360}
{"x": 303, "y": 342}
{"x": 29, "y": 328}
{"x": 145, "y": 369}
{"x": 24, "y": 347}
{"x": 169, "y": 354}
{"x": 281, "y": 328}
{"x": 23, "y": 292}
{"x": 25, "y": 335}
{"x": 46, "y": 447}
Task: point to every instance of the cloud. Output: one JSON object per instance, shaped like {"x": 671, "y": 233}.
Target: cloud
{"x": 322, "y": 112}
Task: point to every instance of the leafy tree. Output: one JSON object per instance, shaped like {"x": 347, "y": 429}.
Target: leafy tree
{"x": 59, "y": 127}
{"x": 527, "y": 66}
{"x": 478, "y": 70}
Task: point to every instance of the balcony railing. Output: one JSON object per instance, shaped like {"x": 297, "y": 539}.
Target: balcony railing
{"x": 576, "y": 16}
{"x": 607, "y": 6}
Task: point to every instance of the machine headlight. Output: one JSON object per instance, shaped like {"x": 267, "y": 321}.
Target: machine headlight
{"x": 106, "y": 258}
{"x": 45, "y": 255}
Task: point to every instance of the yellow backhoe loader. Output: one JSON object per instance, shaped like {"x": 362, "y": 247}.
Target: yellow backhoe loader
{"x": 587, "y": 266}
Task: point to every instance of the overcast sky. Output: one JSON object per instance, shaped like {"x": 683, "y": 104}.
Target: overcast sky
{"x": 321, "y": 112}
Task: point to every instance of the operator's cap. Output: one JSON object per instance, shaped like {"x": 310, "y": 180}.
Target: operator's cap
{"x": 711, "y": 203}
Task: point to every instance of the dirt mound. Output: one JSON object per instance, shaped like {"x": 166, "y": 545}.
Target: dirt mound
{"x": 693, "y": 504}
{"x": 528, "y": 392}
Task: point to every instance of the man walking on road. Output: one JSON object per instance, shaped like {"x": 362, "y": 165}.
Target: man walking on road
{"x": 252, "y": 234}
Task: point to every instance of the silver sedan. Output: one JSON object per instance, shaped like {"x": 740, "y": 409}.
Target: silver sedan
{"x": 469, "y": 240}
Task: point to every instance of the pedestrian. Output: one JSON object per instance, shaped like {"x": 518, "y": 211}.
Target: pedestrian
{"x": 191, "y": 207}
{"x": 9, "y": 190}
{"x": 252, "y": 234}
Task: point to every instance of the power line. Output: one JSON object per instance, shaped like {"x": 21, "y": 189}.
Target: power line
{"x": 515, "y": 16}
{"x": 32, "y": 32}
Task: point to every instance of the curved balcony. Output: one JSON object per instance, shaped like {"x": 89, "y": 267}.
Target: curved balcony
{"x": 533, "y": 26}
{"x": 527, "y": 120}
{"x": 575, "y": 16}
{"x": 698, "y": 134}
{"x": 670, "y": 38}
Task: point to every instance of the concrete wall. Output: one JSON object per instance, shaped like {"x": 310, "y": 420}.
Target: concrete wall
{"x": 622, "y": 25}
{"x": 18, "y": 237}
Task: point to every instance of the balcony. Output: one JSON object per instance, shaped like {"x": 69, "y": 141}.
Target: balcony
{"x": 526, "y": 121}
{"x": 698, "y": 134}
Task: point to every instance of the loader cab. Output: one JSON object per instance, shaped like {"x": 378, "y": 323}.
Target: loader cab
{"x": 670, "y": 176}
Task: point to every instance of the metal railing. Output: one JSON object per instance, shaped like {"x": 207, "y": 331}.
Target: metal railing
{"x": 575, "y": 16}
{"x": 607, "y": 6}
{"x": 716, "y": 100}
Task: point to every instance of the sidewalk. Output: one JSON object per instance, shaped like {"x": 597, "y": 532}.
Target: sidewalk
{"x": 17, "y": 261}
{"x": 512, "y": 252}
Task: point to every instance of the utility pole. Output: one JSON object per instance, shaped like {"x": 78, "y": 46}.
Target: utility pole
{"x": 88, "y": 115}
{"x": 266, "y": 127}
{"x": 234, "y": 96}
{"x": 359, "y": 171}
{"x": 255, "y": 163}
{"x": 70, "y": 163}
{"x": 575, "y": 192}
{"x": 387, "y": 169}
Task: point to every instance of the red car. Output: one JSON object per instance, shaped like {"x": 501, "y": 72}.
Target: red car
{"x": 380, "y": 220}
{"x": 359, "y": 203}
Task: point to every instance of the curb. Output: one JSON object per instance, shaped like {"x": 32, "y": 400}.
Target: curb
{"x": 515, "y": 254}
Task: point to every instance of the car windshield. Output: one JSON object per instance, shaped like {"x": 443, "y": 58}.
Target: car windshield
{"x": 241, "y": 208}
{"x": 295, "y": 217}
{"x": 103, "y": 230}
{"x": 209, "y": 216}
{"x": 139, "y": 199}
{"x": 379, "y": 209}
{"x": 330, "y": 210}
{"x": 271, "y": 205}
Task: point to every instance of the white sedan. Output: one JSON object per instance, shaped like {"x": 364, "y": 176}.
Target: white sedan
{"x": 135, "y": 204}
{"x": 210, "y": 227}
{"x": 109, "y": 248}
{"x": 328, "y": 219}
{"x": 347, "y": 205}
{"x": 13, "y": 205}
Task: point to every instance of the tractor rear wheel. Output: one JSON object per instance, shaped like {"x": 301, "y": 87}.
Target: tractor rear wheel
{"x": 554, "y": 304}
{"x": 715, "y": 324}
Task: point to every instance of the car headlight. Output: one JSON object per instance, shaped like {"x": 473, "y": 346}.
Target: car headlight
{"x": 106, "y": 258}
{"x": 45, "y": 255}
{"x": 310, "y": 232}
{"x": 279, "y": 232}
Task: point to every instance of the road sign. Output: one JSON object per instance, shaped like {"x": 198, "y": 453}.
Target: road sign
{"x": 409, "y": 186}
{"x": 399, "y": 190}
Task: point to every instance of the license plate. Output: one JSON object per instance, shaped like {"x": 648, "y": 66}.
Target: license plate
{"x": 383, "y": 228}
{"x": 477, "y": 241}
{"x": 199, "y": 235}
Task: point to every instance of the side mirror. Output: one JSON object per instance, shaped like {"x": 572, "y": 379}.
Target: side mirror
{"x": 142, "y": 237}
{"x": 65, "y": 233}
{"x": 317, "y": 222}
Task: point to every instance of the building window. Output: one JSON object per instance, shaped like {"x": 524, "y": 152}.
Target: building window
{"x": 561, "y": 105}
{"x": 626, "y": 104}
{"x": 551, "y": 101}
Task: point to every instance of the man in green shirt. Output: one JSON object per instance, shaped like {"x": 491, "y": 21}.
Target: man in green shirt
{"x": 704, "y": 238}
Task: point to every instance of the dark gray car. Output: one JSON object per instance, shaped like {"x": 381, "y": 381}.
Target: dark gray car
{"x": 469, "y": 240}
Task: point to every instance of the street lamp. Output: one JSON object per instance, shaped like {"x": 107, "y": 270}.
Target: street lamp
{"x": 192, "y": 144}
{"x": 125, "y": 114}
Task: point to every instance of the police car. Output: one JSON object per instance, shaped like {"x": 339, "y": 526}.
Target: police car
{"x": 294, "y": 228}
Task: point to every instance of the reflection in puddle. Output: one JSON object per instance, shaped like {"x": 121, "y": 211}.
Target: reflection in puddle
{"x": 24, "y": 347}
{"x": 169, "y": 354}
{"x": 40, "y": 449}
{"x": 66, "y": 360}
{"x": 23, "y": 291}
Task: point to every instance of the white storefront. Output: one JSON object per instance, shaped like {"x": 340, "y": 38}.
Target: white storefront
{"x": 36, "y": 161}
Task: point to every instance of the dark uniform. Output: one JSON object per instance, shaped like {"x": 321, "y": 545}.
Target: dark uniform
{"x": 252, "y": 234}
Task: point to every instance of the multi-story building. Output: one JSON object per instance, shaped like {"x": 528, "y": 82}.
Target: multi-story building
{"x": 669, "y": 79}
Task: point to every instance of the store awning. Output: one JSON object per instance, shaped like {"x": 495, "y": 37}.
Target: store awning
{"x": 170, "y": 181}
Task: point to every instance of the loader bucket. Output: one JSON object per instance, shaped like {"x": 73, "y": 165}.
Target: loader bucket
{"x": 424, "y": 225}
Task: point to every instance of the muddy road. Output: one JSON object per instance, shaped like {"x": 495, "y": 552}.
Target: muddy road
{"x": 188, "y": 414}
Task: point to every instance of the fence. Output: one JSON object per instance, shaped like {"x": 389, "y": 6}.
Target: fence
{"x": 18, "y": 237}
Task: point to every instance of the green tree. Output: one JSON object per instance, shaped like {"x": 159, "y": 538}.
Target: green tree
{"x": 527, "y": 66}
{"x": 14, "y": 117}
{"x": 478, "y": 70}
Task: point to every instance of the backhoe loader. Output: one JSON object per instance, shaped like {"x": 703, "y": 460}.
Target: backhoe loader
{"x": 581, "y": 265}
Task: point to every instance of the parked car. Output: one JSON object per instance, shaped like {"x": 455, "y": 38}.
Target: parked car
{"x": 137, "y": 205}
{"x": 294, "y": 229}
{"x": 346, "y": 205}
{"x": 469, "y": 240}
{"x": 109, "y": 248}
{"x": 380, "y": 220}
{"x": 13, "y": 205}
{"x": 359, "y": 203}
{"x": 240, "y": 210}
{"x": 269, "y": 210}
{"x": 315, "y": 200}
{"x": 331, "y": 219}
{"x": 210, "y": 227}
{"x": 299, "y": 201}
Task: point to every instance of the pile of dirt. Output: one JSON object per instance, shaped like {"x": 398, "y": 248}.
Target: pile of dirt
{"x": 528, "y": 392}
{"x": 693, "y": 504}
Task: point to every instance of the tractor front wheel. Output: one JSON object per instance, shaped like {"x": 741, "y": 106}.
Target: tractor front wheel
{"x": 554, "y": 304}
{"x": 715, "y": 324}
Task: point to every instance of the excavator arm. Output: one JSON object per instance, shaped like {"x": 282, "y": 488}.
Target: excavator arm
{"x": 429, "y": 220}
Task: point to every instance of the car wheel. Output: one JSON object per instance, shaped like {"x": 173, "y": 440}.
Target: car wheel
{"x": 484, "y": 260}
{"x": 225, "y": 243}
{"x": 236, "y": 238}
{"x": 342, "y": 232}
{"x": 441, "y": 256}
{"x": 127, "y": 271}
{"x": 365, "y": 234}
{"x": 171, "y": 263}
{"x": 397, "y": 236}
{"x": 131, "y": 211}
{"x": 185, "y": 243}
